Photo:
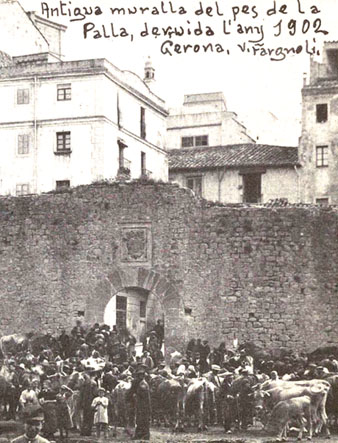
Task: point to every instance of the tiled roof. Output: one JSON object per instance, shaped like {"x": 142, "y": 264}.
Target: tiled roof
{"x": 232, "y": 156}
{"x": 5, "y": 59}
{"x": 322, "y": 82}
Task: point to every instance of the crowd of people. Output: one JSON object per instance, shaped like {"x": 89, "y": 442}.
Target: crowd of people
{"x": 47, "y": 375}
{"x": 48, "y": 371}
{"x": 254, "y": 359}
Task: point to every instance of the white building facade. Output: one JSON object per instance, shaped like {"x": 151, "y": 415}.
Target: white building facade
{"x": 204, "y": 120}
{"x": 76, "y": 123}
{"x": 24, "y": 33}
{"x": 67, "y": 123}
{"x": 318, "y": 148}
{"x": 239, "y": 173}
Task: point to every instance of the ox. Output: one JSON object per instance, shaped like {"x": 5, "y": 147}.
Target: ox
{"x": 332, "y": 399}
{"x": 171, "y": 395}
{"x": 317, "y": 390}
{"x": 199, "y": 400}
{"x": 154, "y": 381}
{"x": 14, "y": 343}
{"x": 292, "y": 409}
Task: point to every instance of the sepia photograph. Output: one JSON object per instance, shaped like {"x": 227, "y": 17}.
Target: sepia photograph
{"x": 168, "y": 221}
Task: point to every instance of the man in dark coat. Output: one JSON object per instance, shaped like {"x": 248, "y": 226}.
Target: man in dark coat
{"x": 204, "y": 352}
{"x": 214, "y": 378}
{"x": 13, "y": 392}
{"x": 140, "y": 389}
{"x": 78, "y": 331}
{"x": 159, "y": 329}
{"x": 88, "y": 392}
{"x": 64, "y": 344}
{"x": 245, "y": 406}
{"x": 228, "y": 401}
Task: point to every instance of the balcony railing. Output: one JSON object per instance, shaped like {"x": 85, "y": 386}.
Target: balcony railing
{"x": 145, "y": 173}
{"x": 63, "y": 152}
{"x": 258, "y": 199}
{"x": 124, "y": 168}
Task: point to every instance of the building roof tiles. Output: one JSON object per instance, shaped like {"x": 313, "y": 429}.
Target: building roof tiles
{"x": 5, "y": 59}
{"x": 232, "y": 156}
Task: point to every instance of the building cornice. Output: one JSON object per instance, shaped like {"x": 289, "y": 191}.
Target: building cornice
{"x": 319, "y": 90}
{"x": 78, "y": 68}
{"x": 194, "y": 126}
{"x": 50, "y": 23}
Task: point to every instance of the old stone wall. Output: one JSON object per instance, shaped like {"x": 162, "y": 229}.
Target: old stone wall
{"x": 265, "y": 274}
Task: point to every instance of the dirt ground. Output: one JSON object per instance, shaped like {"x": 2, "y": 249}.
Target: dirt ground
{"x": 9, "y": 430}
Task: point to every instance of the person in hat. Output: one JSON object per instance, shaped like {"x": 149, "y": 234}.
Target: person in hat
{"x": 274, "y": 375}
{"x": 204, "y": 353}
{"x": 47, "y": 398}
{"x": 100, "y": 407}
{"x": 33, "y": 418}
{"x": 140, "y": 389}
{"x": 147, "y": 360}
{"x": 164, "y": 373}
{"x": 245, "y": 406}
{"x": 197, "y": 361}
{"x": 88, "y": 392}
{"x": 13, "y": 392}
{"x": 213, "y": 377}
{"x": 321, "y": 371}
{"x": 159, "y": 329}
{"x": 64, "y": 343}
{"x": 78, "y": 331}
{"x": 311, "y": 371}
{"x": 159, "y": 368}
{"x": 228, "y": 401}
{"x": 183, "y": 366}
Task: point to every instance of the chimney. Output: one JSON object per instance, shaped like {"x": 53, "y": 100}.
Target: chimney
{"x": 149, "y": 73}
{"x": 304, "y": 78}
{"x": 31, "y": 15}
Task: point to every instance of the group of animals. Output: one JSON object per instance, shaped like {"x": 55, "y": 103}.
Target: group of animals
{"x": 277, "y": 404}
{"x": 176, "y": 399}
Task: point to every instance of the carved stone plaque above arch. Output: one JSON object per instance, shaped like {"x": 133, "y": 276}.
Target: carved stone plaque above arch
{"x": 136, "y": 244}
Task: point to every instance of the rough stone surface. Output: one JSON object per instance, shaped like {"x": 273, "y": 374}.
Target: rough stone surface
{"x": 267, "y": 275}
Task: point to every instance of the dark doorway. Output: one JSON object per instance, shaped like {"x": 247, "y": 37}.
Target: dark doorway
{"x": 252, "y": 188}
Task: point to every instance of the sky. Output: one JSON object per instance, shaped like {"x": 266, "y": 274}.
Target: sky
{"x": 265, "y": 93}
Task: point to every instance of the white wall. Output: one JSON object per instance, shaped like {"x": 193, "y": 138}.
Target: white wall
{"x": 319, "y": 182}
{"x": 91, "y": 117}
{"x": 156, "y": 159}
{"x": 280, "y": 183}
{"x": 276, "y": 183}
{"x": 15, "y": 26}
{"x": 221, "y": 127}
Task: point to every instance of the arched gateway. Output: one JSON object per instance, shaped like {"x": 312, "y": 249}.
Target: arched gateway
{"x": 137, "y": 298}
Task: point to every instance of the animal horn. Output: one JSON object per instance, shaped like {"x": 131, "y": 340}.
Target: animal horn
{"x": 316, "y": 389}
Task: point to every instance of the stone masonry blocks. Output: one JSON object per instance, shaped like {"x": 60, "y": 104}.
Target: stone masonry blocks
{"x": 267, "y": 275}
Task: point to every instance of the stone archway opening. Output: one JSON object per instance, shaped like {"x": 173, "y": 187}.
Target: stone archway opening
{"x": 136, "y": 310}
{"x": 162, "y": 302}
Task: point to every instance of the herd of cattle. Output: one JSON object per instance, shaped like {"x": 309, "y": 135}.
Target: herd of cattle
{"x": 180, "y": 399}
{"x": 243, "y": 398}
